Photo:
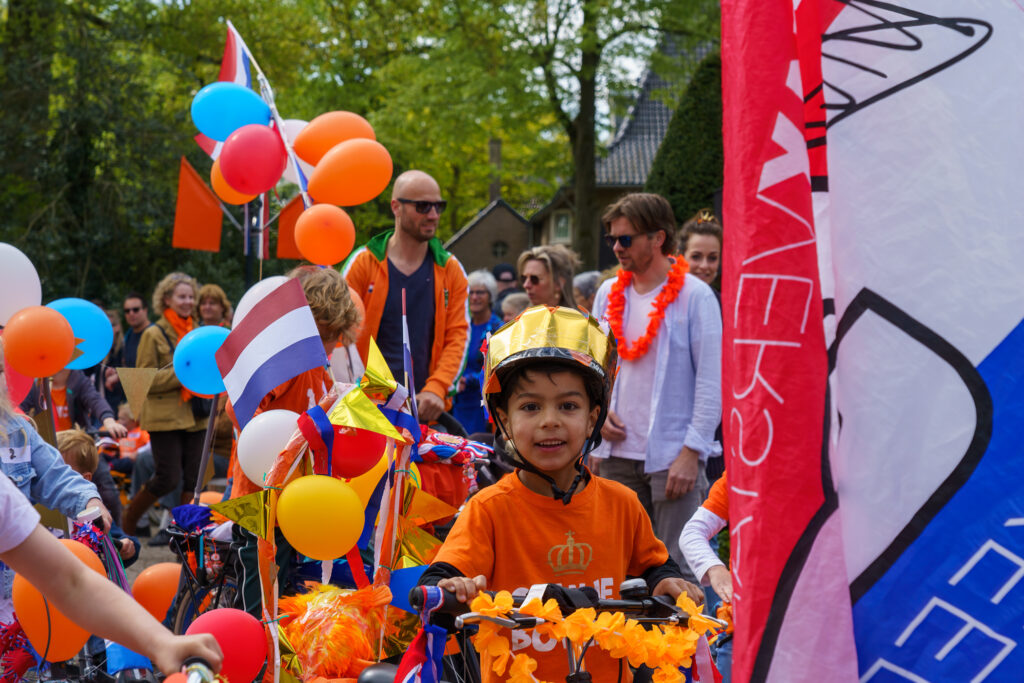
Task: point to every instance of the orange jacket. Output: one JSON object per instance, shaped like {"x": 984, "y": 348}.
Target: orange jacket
{"x": 367, "y": 272}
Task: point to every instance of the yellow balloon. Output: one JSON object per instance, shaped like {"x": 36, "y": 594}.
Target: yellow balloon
{"x": 322, "y": 517}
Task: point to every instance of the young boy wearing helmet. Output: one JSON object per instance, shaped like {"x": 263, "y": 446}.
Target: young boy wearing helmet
{"x": 548, "y": 376}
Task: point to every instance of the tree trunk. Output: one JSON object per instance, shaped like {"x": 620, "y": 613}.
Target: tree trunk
{"x": 586, "y": 226}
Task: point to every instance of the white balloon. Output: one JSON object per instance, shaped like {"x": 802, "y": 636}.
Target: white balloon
{"x": 19, "y": 282}
{"x": 262, "y": 440}
{"x": 292, "y": 128}
{"x": 255, "y": 295}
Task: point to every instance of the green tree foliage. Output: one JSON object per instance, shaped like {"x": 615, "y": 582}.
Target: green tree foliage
{"x": 688, "y": 167}
{"x": 95, "y": 118}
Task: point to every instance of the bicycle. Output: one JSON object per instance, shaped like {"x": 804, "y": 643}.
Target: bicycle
{"x": 208, "y": 577}
{"x": 636, "y": 604}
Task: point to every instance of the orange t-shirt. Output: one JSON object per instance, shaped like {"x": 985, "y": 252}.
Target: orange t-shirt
{"x": 718, "y": 498}
{"x": 516, "y": 538}
{"x": 61, "y": 414}
{"x": 129, "y": 446}
{"x": 298, "y": 394}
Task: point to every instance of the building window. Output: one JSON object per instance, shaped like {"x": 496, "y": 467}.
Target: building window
{"x": 561, "y": 233}
{"x": 499, "y": 249}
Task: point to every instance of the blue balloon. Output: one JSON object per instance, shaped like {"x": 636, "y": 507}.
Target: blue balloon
{"x": 194, "y": 361}
{"x": 221, "y": 108}
{"x": 90, "y": 324}
{"x": 402, "y": 581}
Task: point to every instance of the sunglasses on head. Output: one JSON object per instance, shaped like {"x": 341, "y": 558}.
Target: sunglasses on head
{"x": 625, "y": 240}
{"x": 424, "y": 207}
{"x": 133, "y": 310}
{"x": 532, "y": 279}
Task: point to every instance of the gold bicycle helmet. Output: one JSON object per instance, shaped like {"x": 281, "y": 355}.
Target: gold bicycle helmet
{"x": 544, "y": 334}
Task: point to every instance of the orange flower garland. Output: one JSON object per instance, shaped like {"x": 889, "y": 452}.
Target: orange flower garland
{"x": 617, "y": 307}
{"x": 662, "y": 648}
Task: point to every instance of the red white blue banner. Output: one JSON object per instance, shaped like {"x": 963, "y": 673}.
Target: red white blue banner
{"x": 874, "y": 356}
{"x": 276, "y": 341}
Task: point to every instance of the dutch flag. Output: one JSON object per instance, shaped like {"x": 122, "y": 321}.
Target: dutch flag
{"x": 234, "y": 68}
{"x": 276, "y": 341}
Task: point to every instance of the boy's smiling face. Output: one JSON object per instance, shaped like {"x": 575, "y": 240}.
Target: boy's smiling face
{"x": 549, "y": 417}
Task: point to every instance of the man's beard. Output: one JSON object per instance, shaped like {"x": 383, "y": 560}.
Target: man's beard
{"x": 413, "y": 231}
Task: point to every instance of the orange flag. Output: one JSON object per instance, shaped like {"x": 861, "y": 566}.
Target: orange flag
{"x": 286, "y": 228}
{"x": 197, "y": 216}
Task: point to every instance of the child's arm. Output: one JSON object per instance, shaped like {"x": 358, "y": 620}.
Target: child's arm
{"x": 698, "y": 553}
{"x": 56, "y": 485}
{"x": 98, "y": 606}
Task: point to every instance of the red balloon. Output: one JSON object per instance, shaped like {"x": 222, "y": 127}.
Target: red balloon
{"x": 355, "y": 451}
{"x": 324, "y": 234}
{"x": 18, "y": 385}
{"x": 353, "y": 172}
{"x": 253, "y": 159}
{"x": 241, "y": 638}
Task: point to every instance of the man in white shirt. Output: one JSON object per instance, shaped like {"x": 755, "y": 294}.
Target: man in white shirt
{"x": 667, "y": 398}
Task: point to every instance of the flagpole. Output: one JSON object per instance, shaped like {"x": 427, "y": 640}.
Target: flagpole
{"x": 207, "y": 443}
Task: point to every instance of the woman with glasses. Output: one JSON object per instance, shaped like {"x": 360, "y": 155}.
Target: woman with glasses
{"x": 547, "y": 275}
{"x": 468, "y": 407}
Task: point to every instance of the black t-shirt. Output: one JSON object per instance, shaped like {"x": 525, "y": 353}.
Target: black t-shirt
{"x": 419, "y": 304}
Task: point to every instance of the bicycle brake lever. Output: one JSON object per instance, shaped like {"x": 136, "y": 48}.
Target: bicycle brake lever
{"x": 474, "y": 617}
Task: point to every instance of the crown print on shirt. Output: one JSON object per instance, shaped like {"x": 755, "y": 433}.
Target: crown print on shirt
{"x": 570, "y": 558}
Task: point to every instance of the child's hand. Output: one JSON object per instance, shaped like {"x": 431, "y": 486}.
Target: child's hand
{"x": 721, "y": 582}
{"x": 127, "y": 551}
{"x": 170, "y": 654}
{"x": 673, "y": 586}
{"x": 465, "y": 588}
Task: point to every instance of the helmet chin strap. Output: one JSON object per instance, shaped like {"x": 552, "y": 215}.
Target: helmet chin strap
{"x": 582, "y": 474}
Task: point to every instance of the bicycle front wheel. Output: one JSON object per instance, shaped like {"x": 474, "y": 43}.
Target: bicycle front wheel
{"x": 205, "y": 598}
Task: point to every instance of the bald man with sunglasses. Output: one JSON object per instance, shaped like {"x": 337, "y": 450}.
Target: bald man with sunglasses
{"x": 411, "y": 258}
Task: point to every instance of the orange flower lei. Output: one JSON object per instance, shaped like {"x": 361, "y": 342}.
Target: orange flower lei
{"x": 617, "y": 307}
{"x": 662, "y": 648}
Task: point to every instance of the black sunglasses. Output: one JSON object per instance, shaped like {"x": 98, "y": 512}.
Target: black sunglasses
{"x": 532, "y": 279}
{"x": 625, "y": 240}
{"x": 424, "y": 207}
{"x": 133, "y": 310}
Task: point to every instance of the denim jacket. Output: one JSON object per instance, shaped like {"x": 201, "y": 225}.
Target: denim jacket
{"x": 40, "y": 473}
{"x": 686, "y": 403}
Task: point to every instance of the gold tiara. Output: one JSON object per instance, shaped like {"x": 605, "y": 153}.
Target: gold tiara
{"x": 706, "y": 216}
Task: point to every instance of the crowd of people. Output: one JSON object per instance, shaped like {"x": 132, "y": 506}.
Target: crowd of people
{"x": 657, "y": 432}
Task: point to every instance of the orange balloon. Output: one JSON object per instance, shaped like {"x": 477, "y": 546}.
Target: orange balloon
{"x": 326, "y": 131}
{"x": 51, "y": 633}
{"x": 38, "y": 341}
{"x": 353, "y": 172}
{"x": 155, "y": 586}
{"x": 227, "y": 193}
{"x": 324, "y": 234}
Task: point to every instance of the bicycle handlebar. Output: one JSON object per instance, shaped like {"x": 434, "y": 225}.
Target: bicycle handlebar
{"x": 569, "y": 599}
{"x": 197, "y": 670}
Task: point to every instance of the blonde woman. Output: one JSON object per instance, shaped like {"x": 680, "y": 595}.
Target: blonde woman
{"x": 175, "y": 422}
{"x": 547, "y": 273}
